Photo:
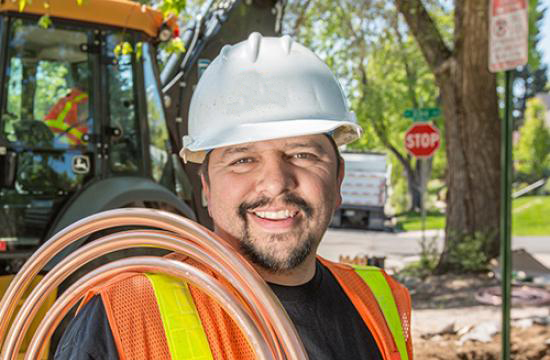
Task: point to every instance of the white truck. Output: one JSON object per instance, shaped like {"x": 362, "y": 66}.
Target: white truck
{"x": 364, "y": 191}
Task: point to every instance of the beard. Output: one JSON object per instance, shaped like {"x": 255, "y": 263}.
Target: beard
{"x": 266, "y": 252}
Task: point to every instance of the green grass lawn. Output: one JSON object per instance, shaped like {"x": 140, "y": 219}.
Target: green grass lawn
{"x": 530, "y": 216}
{"x": 413, "y": 221}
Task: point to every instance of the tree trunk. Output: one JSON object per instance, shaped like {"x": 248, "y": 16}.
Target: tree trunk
{"x": 414, "y": 184}
{"x": 417, "y": 180}
{"x": 415, "y": 193}
{"x": 29, "y": 89}
{"x": 472, "y": 127}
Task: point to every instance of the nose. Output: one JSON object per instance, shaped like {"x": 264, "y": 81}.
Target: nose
{"x": 277, "y": 177}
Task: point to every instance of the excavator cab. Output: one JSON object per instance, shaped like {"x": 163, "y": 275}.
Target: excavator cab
{"x": 76, "y": 118}
{"x": 73, "y": 111}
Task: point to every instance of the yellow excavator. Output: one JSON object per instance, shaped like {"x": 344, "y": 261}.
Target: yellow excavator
{"x": 85, "y": 127}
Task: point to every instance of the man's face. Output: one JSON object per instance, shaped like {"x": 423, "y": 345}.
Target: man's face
{"x": 274, "y": 199}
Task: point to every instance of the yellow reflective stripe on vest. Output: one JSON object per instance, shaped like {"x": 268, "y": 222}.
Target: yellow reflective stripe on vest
{"x": 384, "y": 296}
{"x": 73, "y": 134}
{"x": 184, "y": 332}
{"x": 56, "y": 124}
{"x": 69, "y": 104}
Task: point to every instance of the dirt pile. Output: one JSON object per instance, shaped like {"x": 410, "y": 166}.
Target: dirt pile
{"x": 532, "y": 343}
{"x": 449, "y": 323}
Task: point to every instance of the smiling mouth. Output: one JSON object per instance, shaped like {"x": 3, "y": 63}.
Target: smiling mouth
{"x": 276, "y": 215}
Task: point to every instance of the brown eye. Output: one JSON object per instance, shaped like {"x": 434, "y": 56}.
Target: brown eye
{"x": 245, "y": 160}
{"x": 305, "y": 156}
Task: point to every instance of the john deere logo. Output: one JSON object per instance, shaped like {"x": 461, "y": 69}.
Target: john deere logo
{"x": 81, "y": 164}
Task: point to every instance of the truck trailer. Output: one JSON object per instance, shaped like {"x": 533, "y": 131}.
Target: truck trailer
{"x": 364, "y": 191}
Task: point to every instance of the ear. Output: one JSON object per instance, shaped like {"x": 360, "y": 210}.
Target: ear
{"x": 206, "y": 193}
{"x": 340, "y": 179}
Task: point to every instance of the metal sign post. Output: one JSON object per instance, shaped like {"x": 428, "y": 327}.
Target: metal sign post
{"x": 506, "y": 217}
{"x": 422, "y": 139}
{"x": 423, "y": 186}
{"x": 508, "y": 33}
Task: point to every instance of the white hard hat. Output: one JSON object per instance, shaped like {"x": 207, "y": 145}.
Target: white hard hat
{"x": 265, "y": 88}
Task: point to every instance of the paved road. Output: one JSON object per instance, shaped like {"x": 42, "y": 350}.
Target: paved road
{"x": 405, "y": 246}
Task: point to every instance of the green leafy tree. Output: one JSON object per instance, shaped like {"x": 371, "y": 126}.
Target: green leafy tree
{"x": 472, "y": 124}
{"x": 532, "y": 78}
{"x": 532, "y": 152}
{"x": 528, "y": 83}
{"x": 383, "y": 72}
{"x": 381, "y": 69}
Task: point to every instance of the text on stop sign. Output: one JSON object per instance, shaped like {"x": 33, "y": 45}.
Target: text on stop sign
{"x": 422, "y": 140}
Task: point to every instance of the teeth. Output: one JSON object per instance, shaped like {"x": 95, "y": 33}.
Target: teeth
{"x": 274, "y": 215}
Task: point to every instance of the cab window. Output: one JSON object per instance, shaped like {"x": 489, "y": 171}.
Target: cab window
{"x": 158, "y": 133}
{"x": 46, "y": 116}
{"x": 47, "y": 84}
{"x": 125, "y": 148}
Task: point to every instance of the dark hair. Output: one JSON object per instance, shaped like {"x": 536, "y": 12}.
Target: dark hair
{"x": 203, "y": 169}
{"x": 339, "y": 157}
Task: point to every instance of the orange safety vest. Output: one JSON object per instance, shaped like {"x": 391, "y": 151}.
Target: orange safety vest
{"x": 63, "y": 117}
{"x": 140, "y": 331}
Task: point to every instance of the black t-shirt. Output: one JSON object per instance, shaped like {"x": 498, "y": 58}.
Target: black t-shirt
{"x": 88, "y": 336}
{"x": 327, "y": 322}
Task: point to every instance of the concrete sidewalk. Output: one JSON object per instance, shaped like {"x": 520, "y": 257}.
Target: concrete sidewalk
{"x": 404, "y": 247}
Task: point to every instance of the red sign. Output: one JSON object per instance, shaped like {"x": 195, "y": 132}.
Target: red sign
{"x": 508, "y": 32}
{"x": 422, "y": 140}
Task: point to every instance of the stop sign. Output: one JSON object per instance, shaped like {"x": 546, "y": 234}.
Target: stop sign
{"x": 422, "y": 140}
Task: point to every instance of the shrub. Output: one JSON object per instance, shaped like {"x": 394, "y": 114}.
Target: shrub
{"x": 468, "y": 254}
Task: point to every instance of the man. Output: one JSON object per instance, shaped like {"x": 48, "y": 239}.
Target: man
{"x": 68, "y": 117}
{"x": 265, "y": 121}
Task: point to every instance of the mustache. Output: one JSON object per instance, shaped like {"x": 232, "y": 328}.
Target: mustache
{"x": 287, "y": 199}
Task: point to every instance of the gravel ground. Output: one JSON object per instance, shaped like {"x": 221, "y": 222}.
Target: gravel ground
{"x": 445, "y": 310}
{"x": 532, "y": 343}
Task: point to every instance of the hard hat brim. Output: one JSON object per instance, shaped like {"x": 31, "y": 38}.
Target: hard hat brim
{"x": 343, "y": 132}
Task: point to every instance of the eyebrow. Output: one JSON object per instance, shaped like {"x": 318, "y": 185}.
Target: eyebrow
{"x": 291, "y": 146}
{"x": 235, "y": 150}
{"x": 313, "y": 145}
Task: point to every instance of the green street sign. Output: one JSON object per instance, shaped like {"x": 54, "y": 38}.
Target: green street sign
{"x": 423, "y": 114}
